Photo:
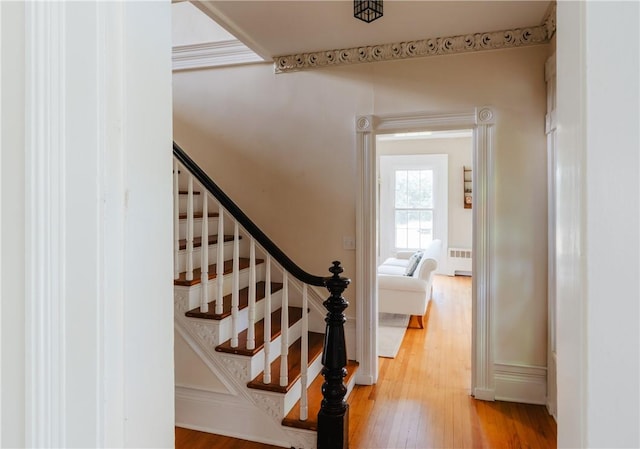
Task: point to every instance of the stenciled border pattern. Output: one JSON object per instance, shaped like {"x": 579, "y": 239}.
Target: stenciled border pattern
{"x": 519, "y": 37}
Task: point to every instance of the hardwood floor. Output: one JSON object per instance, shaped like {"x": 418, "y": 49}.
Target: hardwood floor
{"x": 422, "y": 397}
{"x": 192, "y": 439}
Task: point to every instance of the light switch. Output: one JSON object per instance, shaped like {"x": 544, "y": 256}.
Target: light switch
{"x": 348, "y": 243}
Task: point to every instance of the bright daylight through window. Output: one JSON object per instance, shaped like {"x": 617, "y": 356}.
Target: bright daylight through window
{"x": 413, "y": 208}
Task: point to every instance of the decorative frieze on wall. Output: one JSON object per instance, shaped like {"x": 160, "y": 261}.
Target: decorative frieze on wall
{"x": 519, "y": 37}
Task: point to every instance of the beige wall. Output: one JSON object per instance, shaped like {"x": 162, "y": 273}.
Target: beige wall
{"x": 283, "y": 147}
{"x": 191, "y": 371}
{"x": 459, "y": 152}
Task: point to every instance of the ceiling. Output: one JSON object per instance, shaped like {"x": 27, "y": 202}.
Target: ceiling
{"x": 277, "y": 28}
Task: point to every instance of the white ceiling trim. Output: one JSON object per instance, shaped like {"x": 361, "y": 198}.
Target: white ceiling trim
{"x": 212, "y": 54}
{"x": 518, "y": 37}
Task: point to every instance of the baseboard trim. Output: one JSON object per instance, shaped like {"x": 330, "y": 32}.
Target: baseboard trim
{"x": 227, "y": 415}
{"x": 484, "y": 394}
{"x": 521, "y": 383}
{"x": 364, "y": 379}
{"x": 552, "y": 389}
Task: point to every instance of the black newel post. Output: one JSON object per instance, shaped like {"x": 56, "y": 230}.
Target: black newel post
{"x": 333, "y": 417}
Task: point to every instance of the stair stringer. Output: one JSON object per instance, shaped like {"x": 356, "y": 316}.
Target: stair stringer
{"x": 201, "y": 336}
{"x": 238, "y": 406}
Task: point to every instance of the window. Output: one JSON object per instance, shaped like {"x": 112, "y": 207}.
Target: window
{"x": 413, "y": 202}
{"x": 413, "y": 208}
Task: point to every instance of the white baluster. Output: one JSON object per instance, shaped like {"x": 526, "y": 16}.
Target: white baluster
{"x": 235, "y": 287}
{"x": 267, "y": 322}
{"x": 189, "y": 253}
{"x": 220, "y": 262}
{"x": 204, "y": 255}
{"x": 284, "y": 337}
{"x": 304, "y": 407}
{"x": 251, "y": 329}
{"x": 176, "y": 221}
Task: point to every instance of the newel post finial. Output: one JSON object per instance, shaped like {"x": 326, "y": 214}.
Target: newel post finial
{"x": 333, "y": 417}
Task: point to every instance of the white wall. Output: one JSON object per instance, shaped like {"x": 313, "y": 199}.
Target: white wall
{"x": 87, "y": 323}
{"x": 597, "y": 225}
{"x": 283, "y": 147}
{"x": 459, "y": 152}
{"x": 12, "y": 237}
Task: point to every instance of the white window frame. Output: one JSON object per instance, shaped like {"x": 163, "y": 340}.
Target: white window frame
{"x": 389, "y": 164}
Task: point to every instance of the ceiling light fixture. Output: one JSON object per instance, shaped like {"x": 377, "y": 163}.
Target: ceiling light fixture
{"x": 367, "y": 10}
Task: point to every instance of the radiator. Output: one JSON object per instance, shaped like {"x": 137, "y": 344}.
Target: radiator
{"x": 460, "y": 261}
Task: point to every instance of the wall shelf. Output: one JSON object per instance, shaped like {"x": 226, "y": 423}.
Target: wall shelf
{"x": 467, "y": 187}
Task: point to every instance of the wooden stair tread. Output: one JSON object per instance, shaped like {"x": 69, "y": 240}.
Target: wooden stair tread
{"x": 295, "y": 314}
{"x": 186, "y": 192}
{"x": 197, "y": 241}
{"x": 243, "y": 302}
{"x": 316, "y": 342}
{"x": 199, "y": 215}
{"x": 314, "y": 399}
{"x": 227, "y": 269}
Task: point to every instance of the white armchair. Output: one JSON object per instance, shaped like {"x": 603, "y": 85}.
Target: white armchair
{"x": 410, "y": 295}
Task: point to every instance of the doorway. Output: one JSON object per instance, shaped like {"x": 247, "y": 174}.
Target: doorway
{"x": 481, "y": 121}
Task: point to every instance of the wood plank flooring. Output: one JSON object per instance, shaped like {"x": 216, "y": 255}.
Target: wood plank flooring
{"x": 422, "y": 397}
{"x": 192, "y": 439}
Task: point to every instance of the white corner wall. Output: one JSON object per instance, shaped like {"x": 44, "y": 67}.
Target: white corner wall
{"x": 597, "y": 225}
{"x": 87, "y": 304}
{"x": 12, "y": 233}
{"x": 283, "y": 147}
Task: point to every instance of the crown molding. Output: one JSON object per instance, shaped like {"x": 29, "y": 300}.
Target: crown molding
{"x": 518, "y": 37}
{"x": 212, "y": 54}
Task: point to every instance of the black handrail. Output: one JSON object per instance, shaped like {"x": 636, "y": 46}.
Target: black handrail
{"x": 245, "y": 221}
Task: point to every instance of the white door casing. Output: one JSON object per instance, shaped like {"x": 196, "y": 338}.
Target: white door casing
{"x": 482, "y": 121}
{"x": 550, "y": 129}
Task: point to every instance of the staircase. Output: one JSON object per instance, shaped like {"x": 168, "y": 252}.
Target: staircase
{"x": 250, "y": 324}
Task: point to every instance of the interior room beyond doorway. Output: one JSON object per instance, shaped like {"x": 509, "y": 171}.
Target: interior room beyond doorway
{"x": 439, "y": 203}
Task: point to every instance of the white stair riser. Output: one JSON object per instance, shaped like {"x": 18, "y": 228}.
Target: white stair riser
{"x": 213, "y": 254}
{"x": 197, "y": 227}
{"x": 252, "y": 366}
{"x": 256, "y": 365}
{"x": 197, "y": 203}
{"x": 227, "y": 286}
{"x": 243, "y": 320}
{"x": 222, "y": 328}
{"x": 293, "y": 395}
{"x": 285, "y": 402}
